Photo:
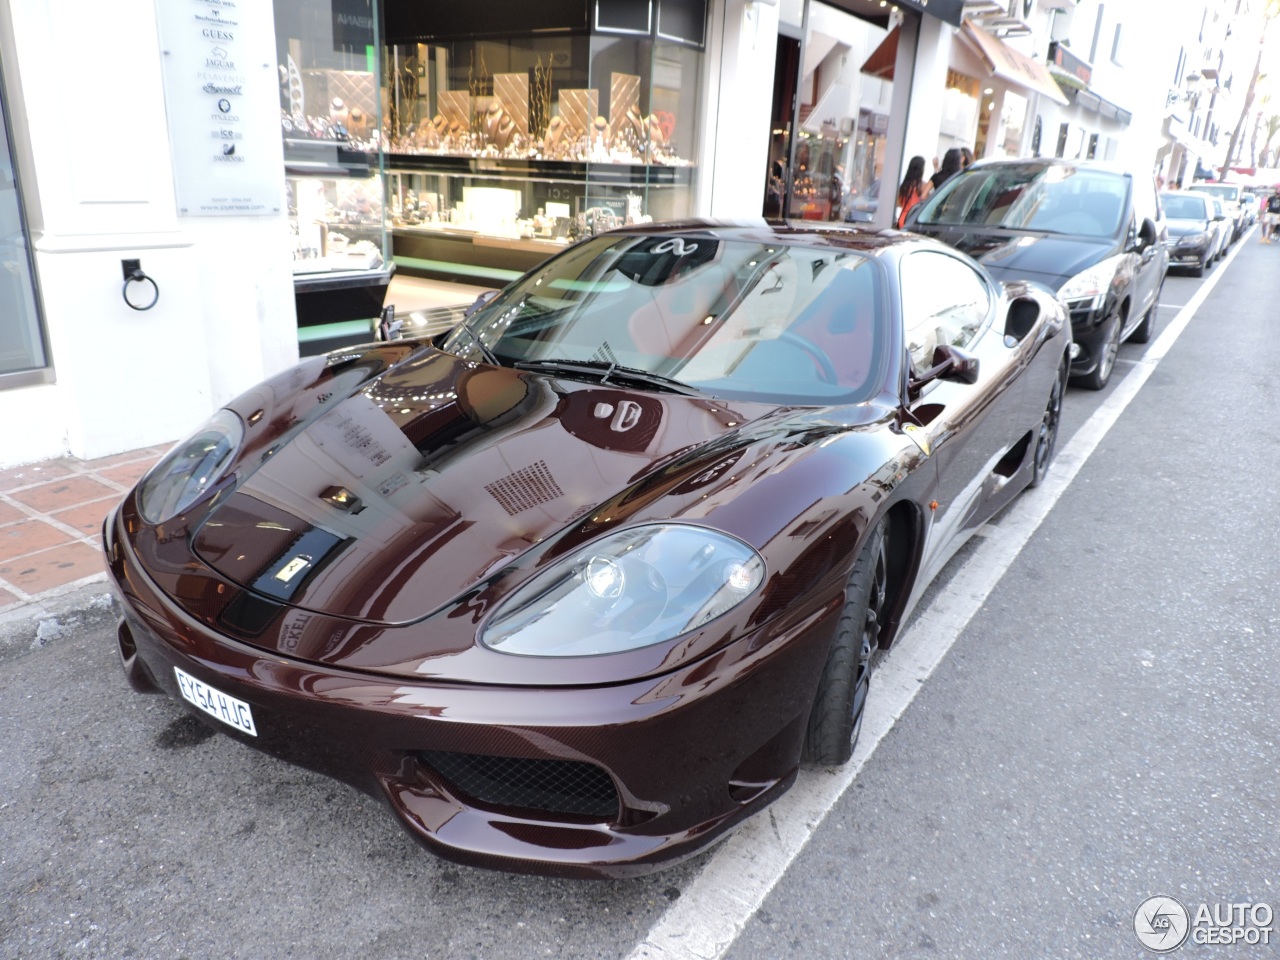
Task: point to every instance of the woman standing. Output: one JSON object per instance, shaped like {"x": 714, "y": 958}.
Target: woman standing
{"x": 914, "y": 189}
{"x": 950, "y": 167}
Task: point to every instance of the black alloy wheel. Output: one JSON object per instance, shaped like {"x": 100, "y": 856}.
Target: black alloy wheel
{"x": 1098, "y": 377}
{"x": 1047, "y": 436}
{"x": 838, "y": 709}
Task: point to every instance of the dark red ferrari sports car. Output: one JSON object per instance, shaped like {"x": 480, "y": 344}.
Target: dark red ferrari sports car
{"x": 576, "y": 587}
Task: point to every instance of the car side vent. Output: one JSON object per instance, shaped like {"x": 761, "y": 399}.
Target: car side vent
{"x": 525, "y": 488}
{"x": 567, "y": 787}
{"x": 1023, "y": 314}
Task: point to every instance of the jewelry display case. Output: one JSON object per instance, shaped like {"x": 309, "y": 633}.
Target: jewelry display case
{"x": 330, "y": 119}
{"x": 505, "y": 144}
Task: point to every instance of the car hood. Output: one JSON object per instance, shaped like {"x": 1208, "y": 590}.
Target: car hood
{"x": 1051, "y": 259}
{"x": 437, "y": 473}
{"x": 1180, "y": 228}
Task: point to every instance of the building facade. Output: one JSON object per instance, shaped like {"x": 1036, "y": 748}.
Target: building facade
{"x": 134, "y": 307}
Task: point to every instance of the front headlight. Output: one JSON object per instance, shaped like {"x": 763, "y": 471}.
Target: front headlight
{"x": 1088, "y": 288}
{"x": 190, "y": 469}
{"x": 1193, "y": 239}
{"x": 630, "y": 590}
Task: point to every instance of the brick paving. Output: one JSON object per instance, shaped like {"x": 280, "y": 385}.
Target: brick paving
{"x": 51, "y": 517}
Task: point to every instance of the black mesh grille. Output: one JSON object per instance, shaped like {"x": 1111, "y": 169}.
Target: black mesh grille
{"x": 554, "y": 786}
{"x": 525, "y": 488}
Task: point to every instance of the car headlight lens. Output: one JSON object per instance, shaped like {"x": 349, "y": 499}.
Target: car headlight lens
{"x": 630, "y": 590}
{"x": 1193, "y": 239}
{"x": 190, "y": 469}
{"x": 1088, "y": 288}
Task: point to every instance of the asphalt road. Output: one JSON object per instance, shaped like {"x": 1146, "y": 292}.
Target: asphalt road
{"x": 1104, "y": 729}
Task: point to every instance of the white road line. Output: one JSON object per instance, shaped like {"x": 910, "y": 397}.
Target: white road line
{"x": 715, "y": 907}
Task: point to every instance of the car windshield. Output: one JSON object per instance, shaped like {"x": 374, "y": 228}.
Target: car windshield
{"x": 1179, "y": 206}
{"x": 1054, "y": 198}
{"x": 693, "y": 313}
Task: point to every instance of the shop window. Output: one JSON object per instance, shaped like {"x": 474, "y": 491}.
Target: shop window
{"x": 24, "y": 359}
{"x": 1063, "y": 131}
{"x": 1036, "y": 133}
{"x": 1093, "y": 146}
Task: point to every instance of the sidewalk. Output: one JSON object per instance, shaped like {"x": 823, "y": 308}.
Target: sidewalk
{"x": 51, "y": 517}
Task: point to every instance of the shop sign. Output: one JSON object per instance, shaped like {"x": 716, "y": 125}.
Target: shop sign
{"x": 352, "y": 23}
{"x": 222, "y": 101}
{"x": 1069, "y": 63}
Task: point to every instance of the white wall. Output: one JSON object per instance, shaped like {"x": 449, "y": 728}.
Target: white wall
{"x": 91, "y": 141}
{"x": 735, "y": 135}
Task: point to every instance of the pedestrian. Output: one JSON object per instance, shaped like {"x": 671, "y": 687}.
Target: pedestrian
{"x": 950, "y": 167}
{"x": 1271, "y": 214}
{"x": 914, "y": 189}
{"x": 966, "y": 158}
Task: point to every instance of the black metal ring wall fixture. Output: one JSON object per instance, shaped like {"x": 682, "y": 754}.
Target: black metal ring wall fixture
{"x": 133, "y": 274}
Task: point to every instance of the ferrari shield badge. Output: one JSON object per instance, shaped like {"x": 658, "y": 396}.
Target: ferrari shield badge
{"x": 293, "y": 568}
{"x": 919, "y": 437}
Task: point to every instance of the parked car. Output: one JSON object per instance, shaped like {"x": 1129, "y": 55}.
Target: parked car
{"x": 1091, "y": 231}
{"x": 575, "y": 588}
{"x": 1194, "y": 234}
{"x": 1235, "y": 199}
{"x": 861, "y": 207}
{"x": 1222, "y": 227}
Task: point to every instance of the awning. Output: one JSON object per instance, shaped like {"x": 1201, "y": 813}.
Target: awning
{"x": 881, "y": 62}
{"x": 1088, "y": 100}
{"x": 1010, "y": 65}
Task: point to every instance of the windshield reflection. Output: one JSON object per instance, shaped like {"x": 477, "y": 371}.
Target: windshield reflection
{"x": 727, "y": 318}
{"x": 1048, "y": 199}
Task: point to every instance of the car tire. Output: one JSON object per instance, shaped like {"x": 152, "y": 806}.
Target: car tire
{"x": 1047, "y": 435}
{"x": 1098, "y": 377}
{"x": 838, "y": 708}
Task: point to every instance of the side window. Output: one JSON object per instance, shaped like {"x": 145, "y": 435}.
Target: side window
{"x": 943, "y": 301}
{"x": 1145, "y": 203}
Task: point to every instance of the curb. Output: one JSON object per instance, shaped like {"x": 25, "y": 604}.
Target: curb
{"x": 38, "y": 623}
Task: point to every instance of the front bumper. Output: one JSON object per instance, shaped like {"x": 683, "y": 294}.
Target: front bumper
{"x": 668, "y": 764}
{"x": 1187, "y": 255}
{"x": 1088, "y": 331}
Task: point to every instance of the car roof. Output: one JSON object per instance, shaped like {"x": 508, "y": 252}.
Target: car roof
{"x": 1102, "y": 166}
{"x": 808, "y": 233}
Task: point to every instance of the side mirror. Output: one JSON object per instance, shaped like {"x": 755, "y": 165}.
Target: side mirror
{"x": 1147, "y": 234}
{"x": 949, "y": 363}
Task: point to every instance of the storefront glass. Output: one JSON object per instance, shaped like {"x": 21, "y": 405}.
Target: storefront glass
{"x": 23, "y": 357}
{"x": 331, "y": 104}
{"x": 843, "y": 120}
{"x": 505, "y": 146}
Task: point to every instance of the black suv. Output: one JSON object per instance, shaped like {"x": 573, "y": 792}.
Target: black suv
{"x": 1093, "y": 232}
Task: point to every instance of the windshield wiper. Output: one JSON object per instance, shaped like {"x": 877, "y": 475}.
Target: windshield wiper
{"x": 488, "y": 354}
{"x": 607, "y": 371}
